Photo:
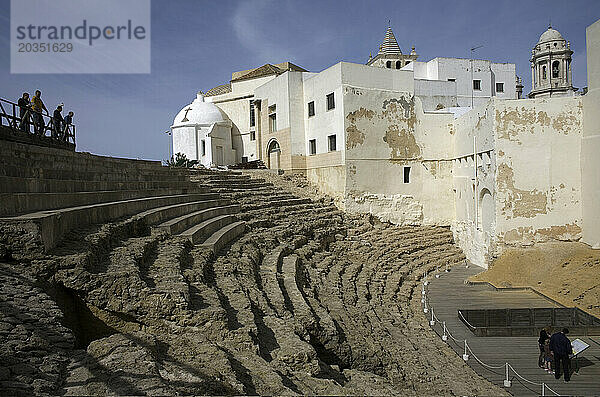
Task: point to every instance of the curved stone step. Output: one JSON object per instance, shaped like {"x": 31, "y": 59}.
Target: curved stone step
{"x": 10, "y": 184}
{"x": 23, "y": 203}
{"x": 212, "y": 209}
{"x": 270, "y": 284}
{"x": 289, "y": 268}
{"x": 113, "y": 174}
{"x": 199, "y": 233}
{"x": 223, "y": 236}
{"x": 157, "y": 215}
{"x": 40, "y": 231}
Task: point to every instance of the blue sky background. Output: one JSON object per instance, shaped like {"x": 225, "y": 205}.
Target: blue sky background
{"x": 196, "y": 44}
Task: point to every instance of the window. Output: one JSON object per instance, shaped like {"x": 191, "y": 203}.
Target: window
{"x": 451, "y": 79}
{"x": 499, "y": 87}
{"x": 272, "y": 118}
{"x": 406, "y": 174}
{"x": 407, "y": 62}
{"x": 311, "y": 108}
{"x": 388, "y": 64}
{"x": 331, "y": 143}
{"x": 203, "y": 147}
{"x": 330, "y": 101}
{"x": 312, "y": 146}
{"x": 555, "y": 69}
{"x": 477, "y": 85}
{"x": 252, "y": 119}
{"x": 544, "y": 72}
{"x": 398, "y": 64}
{"x": 252, "y": 135}
{"x": 244, "y": 160}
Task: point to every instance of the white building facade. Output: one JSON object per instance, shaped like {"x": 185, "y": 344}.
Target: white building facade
{"x": 406, "y": 145}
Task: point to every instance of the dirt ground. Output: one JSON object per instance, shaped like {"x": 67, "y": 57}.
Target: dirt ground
{"x": 567, "y": 272}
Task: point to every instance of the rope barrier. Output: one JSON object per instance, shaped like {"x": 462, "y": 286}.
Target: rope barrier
{"x": 446, "y": 333}
{"x": 482, "y": 363}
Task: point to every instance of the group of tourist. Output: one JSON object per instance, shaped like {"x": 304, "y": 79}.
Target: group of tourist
{"x": 33, "y": 110}
{"x": 555, "y": 353}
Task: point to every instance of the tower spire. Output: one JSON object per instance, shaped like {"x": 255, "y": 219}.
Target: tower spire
{"x": 389, "y": 45}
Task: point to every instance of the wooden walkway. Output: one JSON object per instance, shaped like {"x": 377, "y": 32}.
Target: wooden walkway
{"x": 448, "y": 293}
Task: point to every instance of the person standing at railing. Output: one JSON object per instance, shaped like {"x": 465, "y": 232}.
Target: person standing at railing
{"x": 24, "y": 112}
{"x": 543, "y": 336}
{"x": 68, "y": 123}
{"x": 562, "y": 348}
{"x": 57, "y": 121}
{"x": 37, "y": 105}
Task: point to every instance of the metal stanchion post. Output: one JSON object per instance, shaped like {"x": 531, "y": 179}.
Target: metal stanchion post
{"x": 444, "y": 335}
{"x": 507, "y": 382}
{"x": 466, "y": 356}
{"x": 432, "y": 321}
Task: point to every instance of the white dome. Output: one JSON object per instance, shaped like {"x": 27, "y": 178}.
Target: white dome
{"x": 550, "y": 35}
{"x": 199, "y": 112}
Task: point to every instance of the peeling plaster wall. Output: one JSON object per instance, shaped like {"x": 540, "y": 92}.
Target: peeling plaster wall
{"x": 538, "y": 175}
{"x": 474, "y": 224}
{"x": 590, "y": 148}
{"x": 385, "y": 132}
{"x": 528, "y": 184}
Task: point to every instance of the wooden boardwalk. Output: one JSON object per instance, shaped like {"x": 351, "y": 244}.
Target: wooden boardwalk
{"x": 448, "y": 293}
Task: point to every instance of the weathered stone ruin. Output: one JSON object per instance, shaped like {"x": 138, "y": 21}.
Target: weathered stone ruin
{"x": 123, "y": 277}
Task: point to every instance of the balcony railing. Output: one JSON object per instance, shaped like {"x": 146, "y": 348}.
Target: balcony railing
{"x": 26, "y": 121}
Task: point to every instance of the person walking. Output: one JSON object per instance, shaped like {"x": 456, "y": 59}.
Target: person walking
{"x": 37, "y": 105}
{"x": 58, "y": 121}
{"x": 24, "y": 112}
{"x": 543, "y": 336}
{"x": 561, "y": 348}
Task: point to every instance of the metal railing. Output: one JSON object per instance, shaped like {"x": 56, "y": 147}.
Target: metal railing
{"x": 27, "y": 121}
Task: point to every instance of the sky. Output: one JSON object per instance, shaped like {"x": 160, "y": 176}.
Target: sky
{"x": 197, "y": 44}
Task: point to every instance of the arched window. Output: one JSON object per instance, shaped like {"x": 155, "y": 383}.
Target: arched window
{"x": 398, "y": 64}
{"x": 544, "y": 72}
{"x": 555, "y": 69}
{"x": 388, "y": 64}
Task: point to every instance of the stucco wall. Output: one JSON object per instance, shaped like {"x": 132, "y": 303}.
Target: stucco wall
{"x": 385, "y": 132}
{"x": 474, "y": 223}
{"x": 590, "y": 148}
{"x": 324, "y": 122}
{"x": 436, "y": 94}
{"x": 538, "y": 176}
{"x": 238, "y": 112}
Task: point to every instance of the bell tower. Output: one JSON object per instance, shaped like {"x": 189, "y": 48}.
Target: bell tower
{"x": 551, "y": 66}
{"x": 389, "y": 55}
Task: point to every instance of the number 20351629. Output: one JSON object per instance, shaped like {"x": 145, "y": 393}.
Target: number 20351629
{"x": 45, "y": 47}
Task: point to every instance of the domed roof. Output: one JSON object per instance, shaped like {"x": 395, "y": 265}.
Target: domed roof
{"x": 199, "y": 112}
{"x": 550, "y": 35}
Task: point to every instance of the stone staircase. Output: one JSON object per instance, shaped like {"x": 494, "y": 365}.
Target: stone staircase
{"x": 305, "y": 300}
{"x": 45, "y": 193}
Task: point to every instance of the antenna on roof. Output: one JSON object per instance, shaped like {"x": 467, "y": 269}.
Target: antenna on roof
{"x": 389, "y": 23}
{"x": 550, "y": 23}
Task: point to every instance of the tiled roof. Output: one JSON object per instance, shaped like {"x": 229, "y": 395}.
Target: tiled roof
{"x": 265, "y": 70}
{"x": 218, "y": 90}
